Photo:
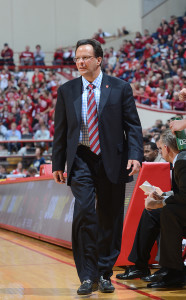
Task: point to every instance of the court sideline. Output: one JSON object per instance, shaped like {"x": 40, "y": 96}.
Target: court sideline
{"x": 34, "y": 270}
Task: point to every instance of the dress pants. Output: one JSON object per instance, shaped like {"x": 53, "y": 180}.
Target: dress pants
{"x": 147, "y": 232}
{"x": 173, "y": 225}
{"x": 98, "y": 216}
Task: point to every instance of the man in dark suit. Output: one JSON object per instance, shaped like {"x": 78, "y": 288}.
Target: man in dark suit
{"x": 173, "y": 216}
{"x": 98, "y": 133}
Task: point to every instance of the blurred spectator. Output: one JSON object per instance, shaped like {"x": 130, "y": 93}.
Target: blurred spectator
{"x": 17, "y": 73}
{"x": 3, "y": 172}
{"x": 32, "y": 172}
{"x": 19, "y": 169}
{"x": 58, "y": 57}
{"x": 13, "y": 134}
{"x": 3, "y": 130}
{"x": 104, "y": 33}
{"x": 39, "y": 56}
{"x": 161, "y": 99}
{"x": 27, "y": 57}
{"x": 68, "y": 56}
{"x": 3, "y": 79}
{"x": 42, "y": 133}
{"x": 38, "y": 76}
{"x": 39, "y": 158}
{"x": 122, "y": 31}
{"x": 24, "y": 125}
{"x": 98, "y": 38}
{"x": 7, "y": 56}
{"x": 25, "y": 149}
{"x": 3, "y": 149}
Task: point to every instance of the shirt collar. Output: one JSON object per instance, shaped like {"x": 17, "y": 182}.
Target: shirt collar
{"x": 96, "y": 82}
{"x": 174, "y": 160}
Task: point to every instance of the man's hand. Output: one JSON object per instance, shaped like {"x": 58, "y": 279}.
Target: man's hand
{"x": 156, "y": 196}
{"x": 158, "y": 190}
{"x": 182, "y": 95}
{"x": 135, "y": 165}
{"x": 177, "y": 125}
{"x": 59, "y": 177}
{"x": 151, "y": 203}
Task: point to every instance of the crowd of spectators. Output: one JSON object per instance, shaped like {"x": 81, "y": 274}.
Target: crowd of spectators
{"x": 151, "y": 136}
{"x": 27, "y": 107}
{"x": 153, "y": 64}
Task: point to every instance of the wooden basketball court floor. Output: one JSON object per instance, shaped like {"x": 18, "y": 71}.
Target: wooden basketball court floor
{"x": 34, "y": 270}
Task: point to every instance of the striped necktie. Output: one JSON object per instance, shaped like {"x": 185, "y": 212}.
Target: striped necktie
{"x": 92, "y": 121}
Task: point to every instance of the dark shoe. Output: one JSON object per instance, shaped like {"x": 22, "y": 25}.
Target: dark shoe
{"x": 87, "y": 287}
{"x": 133, "y": 272}
{"x": 105, "y": 285}
{"x": 157, "y": 276}
{"x": 172, "y": 279}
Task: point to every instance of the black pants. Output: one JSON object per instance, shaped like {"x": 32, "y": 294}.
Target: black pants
{"x": 146, "y": 235}
{"x": 173, "y": 225}
{"x": 98, "y": 217}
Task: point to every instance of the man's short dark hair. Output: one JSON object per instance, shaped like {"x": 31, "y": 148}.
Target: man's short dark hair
{"x": 153, "y": 146}
{"x": 169, "y": 139}
{"x": 98, "y": 51}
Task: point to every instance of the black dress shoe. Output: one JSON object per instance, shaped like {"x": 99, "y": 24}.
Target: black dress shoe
{"x": 157, "y": 276}
{"x": 87, "y": 287}
{"x": 133, "y": 272}
{"x": 172, "y": 279}
{"x": 105, "y": 285}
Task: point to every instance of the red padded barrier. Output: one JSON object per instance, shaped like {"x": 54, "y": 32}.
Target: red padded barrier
{"x": 158, "y": 174}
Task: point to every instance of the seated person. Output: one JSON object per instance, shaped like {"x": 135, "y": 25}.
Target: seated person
{"x": 58, "y": 57}
{"x": 12, "y": 135}
{"x": 19, "y": 169}
{"x": 39, "y": 56}
{"x": 173, "y": 216}
{"x": 151, "y": 153}
{"x": 27, "y": 57}
{"x": 39, "y": 158}
{"x": 25, "y": 149}
{"x": 7, "y": 56}
{"x": 68, "y": 56}
{"x": 167, "y": 215}
{"x": 32, "y": 172}
{"x": 3, "y": 172}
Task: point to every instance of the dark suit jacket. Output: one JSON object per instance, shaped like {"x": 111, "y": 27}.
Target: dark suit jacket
{"x": 119, "y": 127}
{"x": 179, "y": 196}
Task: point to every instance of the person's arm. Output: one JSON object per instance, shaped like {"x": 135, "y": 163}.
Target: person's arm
{"x": 60, "y": 139}
{"x": 177, "y": 125}
{"x": 133, "y": 130}
{"x": 179, "y": 197}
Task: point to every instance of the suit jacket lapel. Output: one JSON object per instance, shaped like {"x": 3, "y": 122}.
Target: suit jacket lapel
{"x": 105, "y": 91}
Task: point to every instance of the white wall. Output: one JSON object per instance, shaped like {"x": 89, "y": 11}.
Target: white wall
{"x": 54, "y": 23}
{"x": 148, "y": 116}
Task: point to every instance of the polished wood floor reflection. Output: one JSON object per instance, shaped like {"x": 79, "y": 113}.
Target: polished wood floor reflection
{"x": 34, "y": 270}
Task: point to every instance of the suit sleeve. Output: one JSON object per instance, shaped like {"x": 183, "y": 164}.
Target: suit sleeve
{"x": 60, "y": 134}
{"x": 132, "y": 126}
{"x": 180, "y": 173}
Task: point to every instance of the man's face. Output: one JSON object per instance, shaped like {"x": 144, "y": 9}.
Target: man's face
{"x": 88, "y": 65}
{"x": 149, "y": 154}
